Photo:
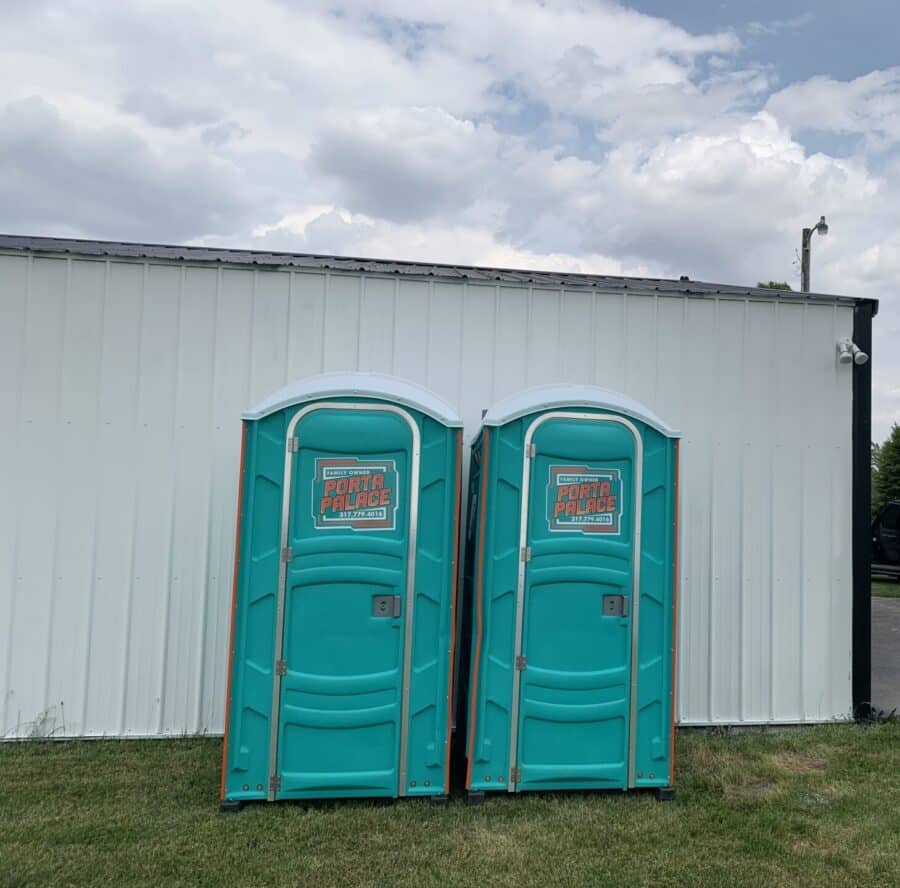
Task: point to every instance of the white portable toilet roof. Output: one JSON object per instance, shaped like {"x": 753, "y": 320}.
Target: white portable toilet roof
{"x": 550, "y": 397}
{"x": 359, "y": 385}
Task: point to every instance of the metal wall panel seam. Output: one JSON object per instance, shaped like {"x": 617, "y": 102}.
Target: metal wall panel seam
{"x": 740, "y": 519}
{"x": 207, "y": 530}
{"x": 712, "y": 588}
{"x": 804, "y": 465}
{"x": 678, "y": 678}
{"x": 325, "y": 303}
{"x": 167, "y": 602}
{"x": 251, "y": 361}
{"x": 771, "y": 524}
{"x": 655, "y": 348}
{"x": 559, "y": 328}
{"x": 394, "y": 326}
{"x": 459, "y": 388}
{"x": 132, "y": 562}
{"x": 14, "y": 582}
{"x": 529, "y": 330}
{"x": 60, "y": 357}
{"x": 429, "y": 296}
{"x": 832, "y": 574}
{"x": 495, "y": 296}
{"x": 683, "y": 658}
{"x": 286, "y": 375}
{"x": 98, "y": 485}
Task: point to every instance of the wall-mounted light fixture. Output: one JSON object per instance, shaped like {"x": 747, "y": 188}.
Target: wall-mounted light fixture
{"x": 850, "y": 353}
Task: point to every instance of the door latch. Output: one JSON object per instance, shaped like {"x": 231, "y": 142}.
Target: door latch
{"x": 615, "y": 605}
{"x": 386, "y": 606}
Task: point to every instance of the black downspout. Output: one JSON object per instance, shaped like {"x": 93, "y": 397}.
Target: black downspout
{"x": 862, "y": 517}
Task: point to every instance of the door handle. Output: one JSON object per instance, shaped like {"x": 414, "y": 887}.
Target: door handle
{"x": 615, "y": 605}
{"x": 386, "y": 606}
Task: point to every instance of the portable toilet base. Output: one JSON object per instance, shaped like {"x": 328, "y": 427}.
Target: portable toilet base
{"x": 340, "y": 665}
{"x": 570, "y": 591}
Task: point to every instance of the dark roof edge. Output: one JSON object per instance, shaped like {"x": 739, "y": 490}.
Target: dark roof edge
{"x": 279, "y": 259}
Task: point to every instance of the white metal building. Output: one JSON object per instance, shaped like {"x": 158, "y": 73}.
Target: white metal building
{"x": 125, "y": 369}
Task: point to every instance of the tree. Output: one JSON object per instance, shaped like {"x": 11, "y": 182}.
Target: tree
{"x": 886, "y": 483}
{"x": 774, "y": 285}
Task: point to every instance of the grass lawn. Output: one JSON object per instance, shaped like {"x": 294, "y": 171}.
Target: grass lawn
{"x": 814, "y": 806}
{"x": 885, "y": 588}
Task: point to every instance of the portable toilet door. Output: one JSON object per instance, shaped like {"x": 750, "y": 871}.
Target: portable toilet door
{"x": 343, "y": 606}
{"x": 570, "y": 596}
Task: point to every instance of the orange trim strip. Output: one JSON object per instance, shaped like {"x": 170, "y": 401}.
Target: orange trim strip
{"x": 453, "y": 593}
{"x": 674, "y": 618}
{"x": 234, "y": 585}
{"x": 473, "y": 680}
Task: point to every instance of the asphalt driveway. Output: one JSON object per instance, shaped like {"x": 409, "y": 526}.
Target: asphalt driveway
{"x": 886, "y": 654}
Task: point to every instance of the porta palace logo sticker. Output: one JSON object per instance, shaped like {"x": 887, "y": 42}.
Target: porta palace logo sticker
{"x": 584, "y": 499}
{"x": 354, "y": 493}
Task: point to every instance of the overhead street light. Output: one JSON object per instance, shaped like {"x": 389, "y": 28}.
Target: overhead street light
{"x": 822, "y": 227}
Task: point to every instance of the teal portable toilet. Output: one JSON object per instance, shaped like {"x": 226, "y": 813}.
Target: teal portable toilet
{"x": 340, "y": 664}
{"x": 570, "y": 588}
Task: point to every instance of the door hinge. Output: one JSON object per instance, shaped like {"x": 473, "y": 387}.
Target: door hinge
{"x": 521, "y": 662}
{"x": 526, "y": 553}
{"x": 287, "y": 554}
{"x": 515, "y": 775}
{"x": 281, "y": 667}
{"x": 274, "y": 783}
{"x": 293, "y": 445}
{"x": 532, "y": 450}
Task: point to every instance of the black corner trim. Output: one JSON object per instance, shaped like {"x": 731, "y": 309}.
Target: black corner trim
{"x": 862, "y": 518}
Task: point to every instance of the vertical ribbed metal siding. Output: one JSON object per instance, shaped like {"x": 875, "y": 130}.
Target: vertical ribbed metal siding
{"x": 123, "y": 386}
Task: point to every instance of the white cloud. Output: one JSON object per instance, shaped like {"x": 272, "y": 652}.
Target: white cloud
{"x": 776, "y": 26}
{"x": 318, "y": 228}
{"x": 406, "y": 163}
{"x": 58, "y": 177}
{"x": 868, "y": 106}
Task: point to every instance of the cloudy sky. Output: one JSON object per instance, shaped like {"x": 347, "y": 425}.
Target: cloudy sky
{"x": 655, "y": 137}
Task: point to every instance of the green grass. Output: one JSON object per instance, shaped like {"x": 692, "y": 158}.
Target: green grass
{"x": 814, "y": 806}
{"x": 885, "y": 588}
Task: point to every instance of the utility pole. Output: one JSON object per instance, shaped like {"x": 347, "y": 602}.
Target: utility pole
{"x": 822, "y": 228}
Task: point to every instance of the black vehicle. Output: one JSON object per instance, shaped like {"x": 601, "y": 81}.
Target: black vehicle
{"x": 886, "y": 539}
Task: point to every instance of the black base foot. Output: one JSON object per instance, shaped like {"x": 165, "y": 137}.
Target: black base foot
{"x": 474, "y": 798}
{"x": 666, "y": 794}
{"x": 439, "y": 801}
{"x": 226, "y": 807}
